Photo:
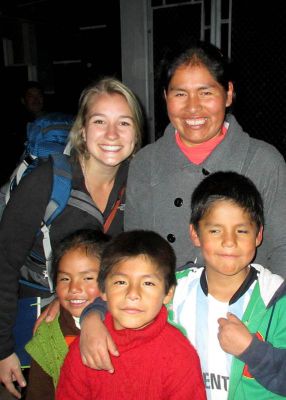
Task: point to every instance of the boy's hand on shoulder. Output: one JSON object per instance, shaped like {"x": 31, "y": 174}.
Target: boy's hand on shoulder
{"x": 233, "y": 335}
{"x": 49, "y": 314}
{"x": 96, "y": 343}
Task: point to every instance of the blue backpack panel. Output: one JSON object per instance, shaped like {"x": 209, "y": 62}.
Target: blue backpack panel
{"x": 47, "y": 137}
{"x": 48, "y": 134}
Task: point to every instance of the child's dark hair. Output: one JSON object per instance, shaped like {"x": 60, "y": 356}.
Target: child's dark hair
{"x": 133, "y": 244}
{"x": 226, "y": 186}
{"x": 91, "y": 241}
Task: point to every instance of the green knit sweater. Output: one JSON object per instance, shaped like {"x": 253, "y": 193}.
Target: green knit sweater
{"x": 48, "y": 348}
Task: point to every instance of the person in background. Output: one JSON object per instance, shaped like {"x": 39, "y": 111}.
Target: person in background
{"x": 137, "y": 279}
{"x": 76, "y": 266}
{"x": 32, "y": 107}
{"x": 29, "y": 106}
{"x": 203, "y": 137}
{"x": 32, "y": 99}
{"x": 105, "y": 135}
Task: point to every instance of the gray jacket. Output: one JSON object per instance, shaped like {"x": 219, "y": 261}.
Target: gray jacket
{"x": 161, "y": 181}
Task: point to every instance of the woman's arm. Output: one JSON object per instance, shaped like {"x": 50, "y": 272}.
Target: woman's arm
{"x": 20, "y": 222}
{"x": 272, "y": 186}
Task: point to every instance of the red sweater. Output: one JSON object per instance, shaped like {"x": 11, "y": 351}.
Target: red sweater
{"x": 156, "y": 362}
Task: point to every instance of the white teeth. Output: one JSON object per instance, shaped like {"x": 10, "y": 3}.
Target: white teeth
{"x": 195, "y": 122}
{"x": 78, "y": 301}
{"x": 110, "y": 148}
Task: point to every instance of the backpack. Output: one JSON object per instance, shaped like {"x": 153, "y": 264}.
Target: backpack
{"x": 47, "y": 137}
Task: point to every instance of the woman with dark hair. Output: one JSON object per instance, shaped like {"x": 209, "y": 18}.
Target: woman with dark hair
{"x": 202, "y": 137}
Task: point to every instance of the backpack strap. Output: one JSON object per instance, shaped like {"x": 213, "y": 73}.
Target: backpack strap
{"x": 113, "y": 212}
{"x": 63, "y": 195}
{"x": 62, "y": 178}
{"x": 17, "y": 174}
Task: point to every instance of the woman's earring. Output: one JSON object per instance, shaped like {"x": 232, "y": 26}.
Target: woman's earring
{"x": 83, "y": 134}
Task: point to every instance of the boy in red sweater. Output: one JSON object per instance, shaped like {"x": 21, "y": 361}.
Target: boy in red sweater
{"x": 137, "y": 278}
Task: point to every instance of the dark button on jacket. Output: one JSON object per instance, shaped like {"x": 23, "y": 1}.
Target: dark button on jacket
{"x": 171, "y": 238}
{"x": 178, "y": 202}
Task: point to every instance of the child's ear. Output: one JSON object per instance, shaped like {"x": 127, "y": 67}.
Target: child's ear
{"x": 194, "y": 236}
{"x": 169, "y": 295}
{"x": 259, "y": 236}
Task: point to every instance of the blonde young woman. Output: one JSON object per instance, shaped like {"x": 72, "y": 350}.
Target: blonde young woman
{"x": 106, "y": 133}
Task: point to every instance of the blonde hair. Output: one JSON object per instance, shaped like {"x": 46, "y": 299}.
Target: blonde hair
{"x": 107, "y": 85}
